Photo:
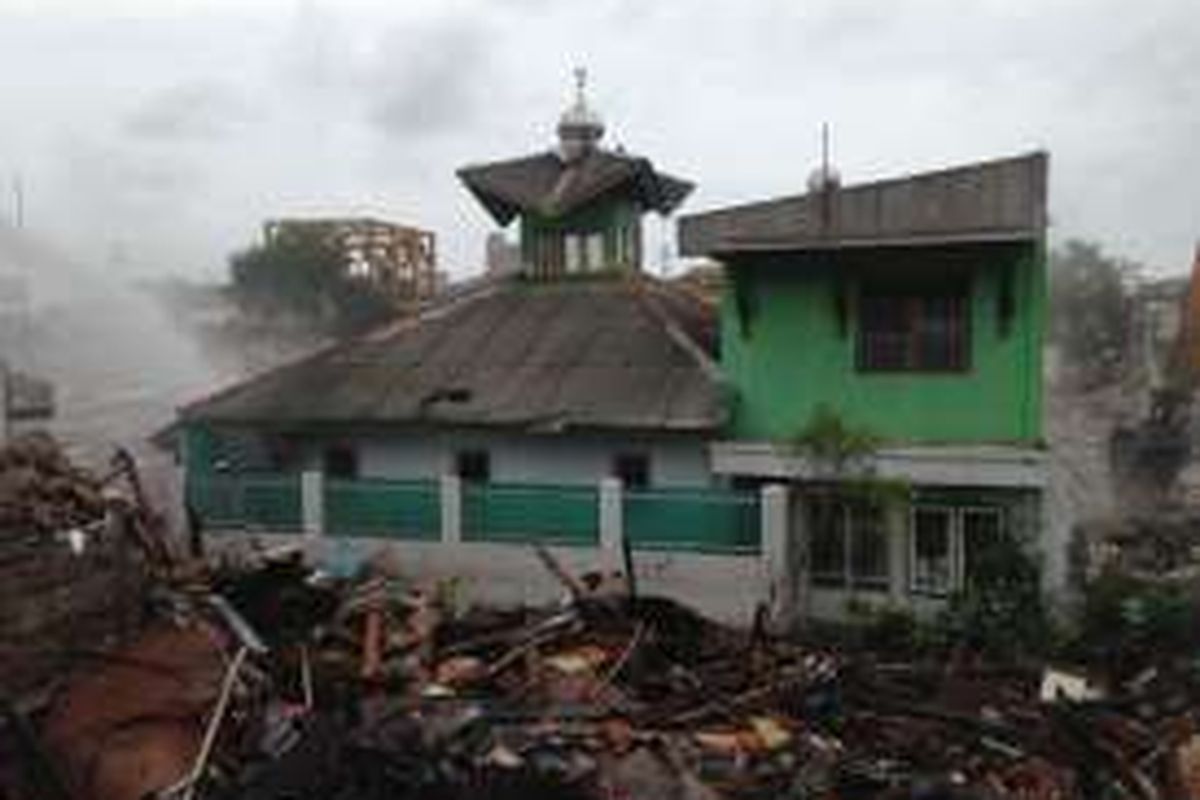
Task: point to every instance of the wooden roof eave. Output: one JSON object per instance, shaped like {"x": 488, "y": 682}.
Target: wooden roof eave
{"x": 731, "y": 247}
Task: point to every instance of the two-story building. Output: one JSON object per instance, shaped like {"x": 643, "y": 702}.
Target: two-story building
{"x": 905, "y": 317}
{"x": 872, "y": 342}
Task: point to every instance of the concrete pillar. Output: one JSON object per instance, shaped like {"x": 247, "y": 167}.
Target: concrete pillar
{"x": 312, "y": 502}
{"x": 778, "y": 563}
{"x": 1049, "y": 524}
{"x": 450, "y": 491}
{"x": 612, "y": 525}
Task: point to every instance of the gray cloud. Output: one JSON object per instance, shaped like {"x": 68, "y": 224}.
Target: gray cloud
{"x": 190, "y": 111}
{"x": 311, "y": 106}
{"x": 428, "y": 78}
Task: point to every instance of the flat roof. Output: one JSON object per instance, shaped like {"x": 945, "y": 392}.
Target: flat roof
{"x": 993, "y": 201}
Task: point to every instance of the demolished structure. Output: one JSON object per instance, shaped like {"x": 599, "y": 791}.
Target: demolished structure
{"x": 399, "y": 260}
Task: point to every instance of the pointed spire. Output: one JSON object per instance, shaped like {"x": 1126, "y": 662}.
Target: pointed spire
{"x": 579, "y": 128}
{"x": 580, "y": 85}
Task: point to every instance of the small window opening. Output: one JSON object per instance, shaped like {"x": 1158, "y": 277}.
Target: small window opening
{"x": 474, "y": 466}
{"x": 632, "y": 469}
{"x": 341, "y": 461}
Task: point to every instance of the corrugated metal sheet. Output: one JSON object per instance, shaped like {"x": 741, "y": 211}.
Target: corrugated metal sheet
{"x": 543, "y": 356}
{"x": 545, "y": 184}
{"x": 1002, "y": 200}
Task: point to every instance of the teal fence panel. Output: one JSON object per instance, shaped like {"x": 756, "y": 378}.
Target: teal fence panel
{"x": 383, "y": 508}
{"x": 252, "y": 501}
{"x": 531, "y": 513}
{"x": 698, "y": 520}
{"x": 216, "y": 500}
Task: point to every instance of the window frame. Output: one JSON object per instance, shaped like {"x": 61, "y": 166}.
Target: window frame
{"x": 915, "y": 586}
{"x": 915, "y": 304}
{"x": 957, "y": 545}
{"x": 1001, "y": 531}
{"x": 823, "y": 578}
{"x": 848, "y": 516}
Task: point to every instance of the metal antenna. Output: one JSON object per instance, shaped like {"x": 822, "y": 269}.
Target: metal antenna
{"x": 825, "y": 149}
{"x": 580, "y": 83}
{"x": 18, "y": 201}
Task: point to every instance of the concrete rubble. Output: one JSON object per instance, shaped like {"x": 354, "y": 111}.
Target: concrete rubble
{"x": 273, "y": 681}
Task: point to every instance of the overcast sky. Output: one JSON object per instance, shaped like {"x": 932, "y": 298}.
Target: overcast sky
{"x": 158, "y": 134}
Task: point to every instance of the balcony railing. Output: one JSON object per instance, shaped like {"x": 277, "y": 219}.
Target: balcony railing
{"x": 703, "y": 520}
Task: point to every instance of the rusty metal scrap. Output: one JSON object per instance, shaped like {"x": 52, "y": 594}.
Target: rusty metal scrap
{"x": 371, "y": 689}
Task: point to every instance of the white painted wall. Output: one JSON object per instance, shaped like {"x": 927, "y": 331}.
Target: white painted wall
{"x": 517, "y": 458}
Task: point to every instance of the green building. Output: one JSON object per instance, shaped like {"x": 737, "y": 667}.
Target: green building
{"x": 858, "y": 418}
{"x": 889, "y": 331}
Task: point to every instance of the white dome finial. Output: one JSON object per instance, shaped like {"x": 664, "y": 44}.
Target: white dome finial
{"x": 826, "y": 176}
{"x": 579, "y": 127}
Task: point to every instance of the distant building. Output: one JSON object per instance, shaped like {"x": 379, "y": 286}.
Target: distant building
{"x": 400, "y": 259}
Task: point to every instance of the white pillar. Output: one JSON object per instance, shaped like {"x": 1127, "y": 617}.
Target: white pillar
{"x": 777, "y": 553}
{"x": 612, "y": 525}
{"x": 451, "y": 505}
{"x": 312, "y": 502}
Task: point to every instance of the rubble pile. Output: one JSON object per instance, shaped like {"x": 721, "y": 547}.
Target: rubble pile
{"x": 42, "y": 492}
{"x": 375, "y": 689}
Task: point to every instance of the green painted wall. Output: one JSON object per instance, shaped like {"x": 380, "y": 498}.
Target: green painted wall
{"x": 787, "y": 350}
{"x": 607, "y": 215}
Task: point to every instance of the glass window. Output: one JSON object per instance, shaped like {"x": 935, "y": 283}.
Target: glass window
{"x": 982, "y": 530}
{"x": 932, "y": 557}
{"x": 827, "y": 541}
{"x": 883, "y": 332}
{"x": 868, "y": 546}
{"x": 926, "y": 332}
{"x": 847, "y": 543}
{"x": 573, "y": 244}
{"x": 595, "y": 252}
{"x": 623, "y": 249}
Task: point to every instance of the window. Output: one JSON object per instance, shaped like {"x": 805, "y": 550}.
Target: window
{"x": 847, "y": 544}
{"x": 548, "y": 253}
{"x": 340, "y": 461}
{"x": 827, "y": 542}
{"x": 574, "y": 252}
{"x": 931, "y": 550}
{"x": 474, "y": 466}
{"x": 981, "y": 531}
{"x": 868, "y": 547}
{"x": 917, "y": 332}
{"x": 623, "y": 257}
{"x": 633, "y": 470}
{"x": 595, "y": 252}
{"x": 949, "y": 544}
